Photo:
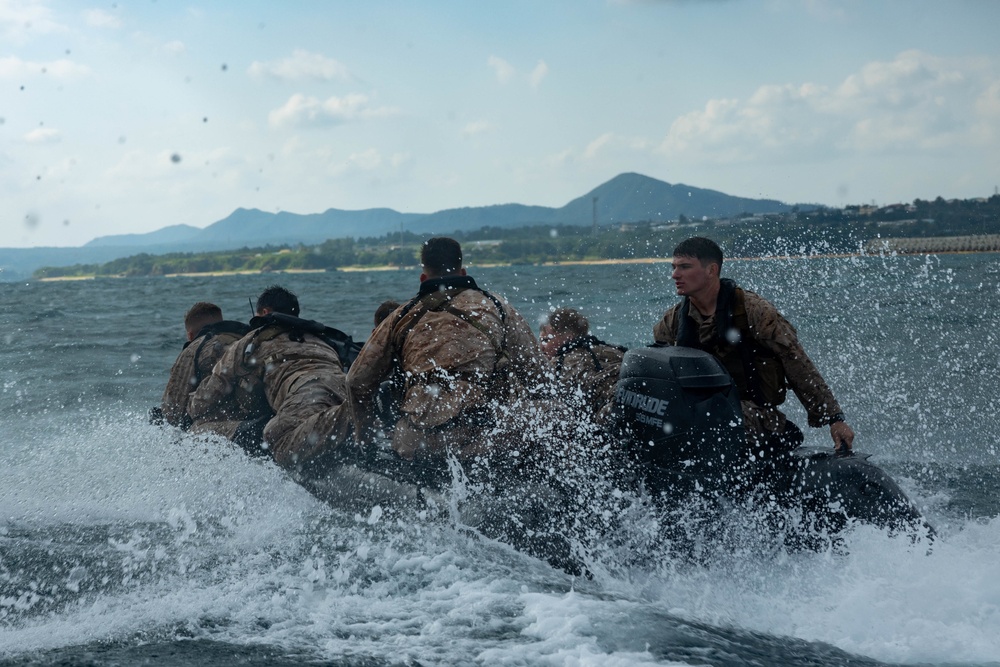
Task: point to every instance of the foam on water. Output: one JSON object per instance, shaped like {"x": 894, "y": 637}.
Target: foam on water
{"x": 114, "y": 532}
{"x": 186, "y": 538}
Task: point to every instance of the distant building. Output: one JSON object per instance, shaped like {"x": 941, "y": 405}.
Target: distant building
{"x": 934, "y": 244}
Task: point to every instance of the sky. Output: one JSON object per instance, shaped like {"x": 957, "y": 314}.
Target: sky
{"x": 127, "y": 117}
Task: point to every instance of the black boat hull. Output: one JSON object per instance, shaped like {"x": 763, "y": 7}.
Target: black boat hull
{"x": 678, "y": 415}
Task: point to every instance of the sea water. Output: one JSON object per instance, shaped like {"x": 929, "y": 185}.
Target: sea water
{"x": 121, "y": 542}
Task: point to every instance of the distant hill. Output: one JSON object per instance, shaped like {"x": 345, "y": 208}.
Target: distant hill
{"x": 634, "y": 197}
{"x": 625, "y": 198}
{"x": 174, "y": 234}
{"x": 253, "y": 227}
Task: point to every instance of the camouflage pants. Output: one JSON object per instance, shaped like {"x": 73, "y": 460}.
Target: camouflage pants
{"x": 224, "y": 427}
{"x": 515, "y": 432}
{"x": 310, "y": 422}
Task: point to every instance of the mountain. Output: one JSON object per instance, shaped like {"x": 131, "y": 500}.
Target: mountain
{"x": 255, "y": 227}
{"x": 627, "y": 197}
{"x": 634, "y": 197}
{"x": 174, "y": 234}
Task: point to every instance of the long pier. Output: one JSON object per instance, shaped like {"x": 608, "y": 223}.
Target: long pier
{"x": 934, "y": 244}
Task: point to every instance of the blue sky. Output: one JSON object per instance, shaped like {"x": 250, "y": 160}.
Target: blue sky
{"x": 131, "y": 116}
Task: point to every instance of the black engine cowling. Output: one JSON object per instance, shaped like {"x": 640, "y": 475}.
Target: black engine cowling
{"x": 678, "y": 412}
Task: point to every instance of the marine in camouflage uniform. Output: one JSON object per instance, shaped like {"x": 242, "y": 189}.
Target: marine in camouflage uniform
{"x": 303, "y": 383}
{"x": 754, "y": 342}
{"x": 468, "y": 362}
{"x": 208, "y": 336}
{"x": 585, "y": 367}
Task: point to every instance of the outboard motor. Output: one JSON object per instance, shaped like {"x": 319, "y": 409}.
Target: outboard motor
{"x": 678, "y": 414}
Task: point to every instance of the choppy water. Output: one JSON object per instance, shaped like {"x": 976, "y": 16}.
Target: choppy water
{"x": 122, "y": 543}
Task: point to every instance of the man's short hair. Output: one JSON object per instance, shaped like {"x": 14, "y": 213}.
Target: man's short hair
{"x": 279, "y": 300}
{"x": 441, "y": 256}
{"x": 702, "y": 249}
{"x": 568, "y": 320}
{"x": 201, "y": 314}
{"x": 384, "y": 310}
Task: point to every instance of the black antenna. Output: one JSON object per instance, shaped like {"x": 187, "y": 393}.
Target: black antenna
{"x": 253, "y": 313}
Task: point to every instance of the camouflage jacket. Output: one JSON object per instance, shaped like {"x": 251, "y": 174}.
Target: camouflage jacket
{"x": 194, "y": 364}
{"x": 270, "y": 361}
{"x": 774, "y": 334}
{"x": 457, "y": 349}
{"x": 587, "y": 370}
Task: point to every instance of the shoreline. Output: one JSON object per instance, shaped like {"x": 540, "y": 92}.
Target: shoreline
{"x": 569, "y": 262}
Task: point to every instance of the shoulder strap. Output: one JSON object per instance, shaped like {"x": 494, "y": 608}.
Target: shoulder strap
{"x": 235, "y": 329}
{"x": 687, "y": 332}
{"x": 730, "y": 319}
{"x": 724, "y": 305}
{"x": 747, "y": 347}
{"x": 438, "y": 301}
{"x": 226, "y": 327}
{"x": 587, "y": 342}
{"x": 274, "y": 324}
{"x": 197, "y": 357}
{"x": 735, "y": 320}
{"x": 408, "y": 317}
{"x": 345, "y": 346}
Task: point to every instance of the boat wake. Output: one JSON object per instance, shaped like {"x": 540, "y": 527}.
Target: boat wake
{"x": 154, "y": 538}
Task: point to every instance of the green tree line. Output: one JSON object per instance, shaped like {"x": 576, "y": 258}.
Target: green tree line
{"x": 816, "y": 231}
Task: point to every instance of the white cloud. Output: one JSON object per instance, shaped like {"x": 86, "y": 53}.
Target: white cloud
{"x": 301, "y": 110}
{"x": 368, "y": 160}
{"x": 475, "y": 128}
{"x": 912, "y": 78}
{"x": 42, "y": 135}
{"x": 372, "y": 160}
{"x": 177, "y": 172}
{"x": 537, "y": 74}
{"x": 504, "y": 70}
{"x": 312, "y": 164}
{"x": 302, "y": 65}
{"x": 65, "y": 69}
{"x": 98, "y": 18}
{"x": 174, "y": 47}
{"x": 608, "y": 147}
{"x": 594, "y": 146}
{"x": 560, "y": 159}
{"x": 19, "y": 19}
{"x": 988, "y": 103}
{"x": 397, "y": 160}
{"x": 13, "y": 67}
{"x": 915, "y": 102}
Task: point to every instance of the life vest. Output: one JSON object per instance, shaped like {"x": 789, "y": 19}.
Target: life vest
{"x": 435, "y": 295}
{"x": 250, "y": 394}
{"x": 585, "y": 342}
{"x": 757, "y": 372}
{"x": 268, "y": 327}
{"x": 225, "y": 332}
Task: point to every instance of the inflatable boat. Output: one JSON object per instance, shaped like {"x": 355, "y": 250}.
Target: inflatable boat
{"x": 678, "y": 416}
{"x": 675, "y": 439}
